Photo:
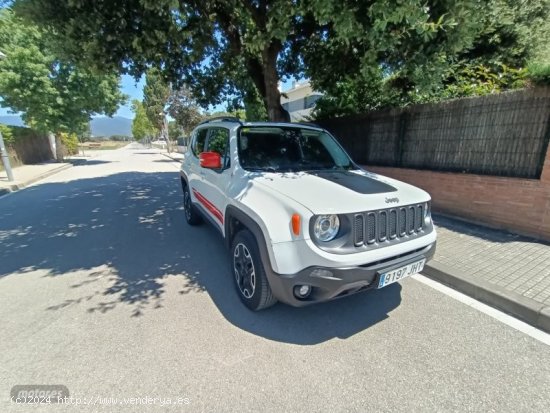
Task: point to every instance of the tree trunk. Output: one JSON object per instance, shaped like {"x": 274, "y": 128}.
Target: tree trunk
{"x": 59, "y": 148}
{"x": 272, "y": 96}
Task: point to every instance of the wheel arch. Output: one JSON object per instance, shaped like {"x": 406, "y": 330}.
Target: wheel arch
{"x": 236, "y": 220}
{"x": 184, "y": 180}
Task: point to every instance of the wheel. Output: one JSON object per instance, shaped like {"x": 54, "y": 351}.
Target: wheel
{"x": 250, "y": 278}
{"x": 191, "y": 214}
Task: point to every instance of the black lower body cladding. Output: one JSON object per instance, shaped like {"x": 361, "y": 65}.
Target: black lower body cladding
{"x": 331, "y": 283}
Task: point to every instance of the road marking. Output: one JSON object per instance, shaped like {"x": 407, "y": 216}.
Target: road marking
{"x": 484, "y": 308}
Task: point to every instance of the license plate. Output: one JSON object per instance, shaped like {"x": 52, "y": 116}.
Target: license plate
{"x": 398, "y": 274}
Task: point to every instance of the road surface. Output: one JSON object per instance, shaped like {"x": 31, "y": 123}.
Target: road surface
{"x": 106, "y": 290}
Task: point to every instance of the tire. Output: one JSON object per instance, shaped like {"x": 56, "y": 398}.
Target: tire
{"x": 192, "y": 216}
{"x": 249, "y": 274}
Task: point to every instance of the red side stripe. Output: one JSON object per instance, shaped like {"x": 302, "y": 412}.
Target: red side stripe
{"x": 208, "y": 205}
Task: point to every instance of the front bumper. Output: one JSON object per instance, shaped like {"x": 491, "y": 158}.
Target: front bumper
{"x": 330, "y": 283}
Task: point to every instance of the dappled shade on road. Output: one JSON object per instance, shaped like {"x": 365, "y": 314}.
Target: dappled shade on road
{"x": 130, "y": 228}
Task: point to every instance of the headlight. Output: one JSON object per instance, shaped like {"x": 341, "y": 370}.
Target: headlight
{"x": 326, "y": 227}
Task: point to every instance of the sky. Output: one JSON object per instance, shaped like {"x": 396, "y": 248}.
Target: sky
{"x": 134, "y": 91}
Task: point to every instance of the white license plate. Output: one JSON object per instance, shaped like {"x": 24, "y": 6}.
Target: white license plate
{"x": 398, "y": 274}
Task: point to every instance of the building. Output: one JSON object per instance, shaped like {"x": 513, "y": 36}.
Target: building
{"x": 300, "y": 101}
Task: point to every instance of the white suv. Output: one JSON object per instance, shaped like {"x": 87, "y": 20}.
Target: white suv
{"x": 303, "y": 222}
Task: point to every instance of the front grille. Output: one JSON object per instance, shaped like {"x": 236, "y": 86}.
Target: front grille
{"x": 358, "y": 229}
{"x": 371, "y": 228}
{"x": 387, "y": 224}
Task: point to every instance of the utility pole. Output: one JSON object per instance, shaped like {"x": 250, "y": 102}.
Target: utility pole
{"x": 5, "y": 159}
{"x": 3, "y": 151}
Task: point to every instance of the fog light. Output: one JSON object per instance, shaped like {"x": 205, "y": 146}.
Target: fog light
{"x": 302, "y": 291}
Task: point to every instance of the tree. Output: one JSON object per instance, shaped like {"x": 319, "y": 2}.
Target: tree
{"x": 183, "y": 108}
{"x": 54, "y": 95}
{"x": 483, "y": 49}
{"x": 174, "y": 131}
{"x": 210, "y": 44}
{"x": 142, "y": 127}
{"x": 155, "y": 97}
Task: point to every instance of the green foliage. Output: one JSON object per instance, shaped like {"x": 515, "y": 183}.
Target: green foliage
{"x": 474, "y": 50}
{"x": 142, "y": 127}
{"x": 478, "y": 80}
{"x": 183, "y": 108}
{"x": 361, "y": 54}
{"x": 539, "y": 73}
{"x": 54, "y": 95}
{"x": 7, "y": 134}
{"x": 70, "y": 142}
{"x": 174, "y": 131}
{"x": 235, "y": 113}
{"x": 155, "y": 96}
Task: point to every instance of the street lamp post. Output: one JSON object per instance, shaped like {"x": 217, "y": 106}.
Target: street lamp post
{"x": 3, "y": 151}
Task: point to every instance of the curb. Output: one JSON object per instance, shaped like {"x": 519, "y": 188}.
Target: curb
{"x": 530, "y": 311}
{"x": 21, "y": 185}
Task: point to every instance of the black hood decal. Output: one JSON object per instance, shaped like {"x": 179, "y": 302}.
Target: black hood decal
{"x": 358, "y": 183}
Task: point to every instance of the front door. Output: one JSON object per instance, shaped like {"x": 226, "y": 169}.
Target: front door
{"x": 212, "y": 194}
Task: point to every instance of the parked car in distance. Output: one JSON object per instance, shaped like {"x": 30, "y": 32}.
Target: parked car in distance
{"x": 303, "y": 222}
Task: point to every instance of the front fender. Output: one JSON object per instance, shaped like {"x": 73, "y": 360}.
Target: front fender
{"x": 269, "y": 217}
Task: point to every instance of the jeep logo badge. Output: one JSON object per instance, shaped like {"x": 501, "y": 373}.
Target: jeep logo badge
{"x": 392, "y": 200}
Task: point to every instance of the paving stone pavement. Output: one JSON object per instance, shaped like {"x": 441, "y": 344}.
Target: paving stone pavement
{"x": 513, "y": 262}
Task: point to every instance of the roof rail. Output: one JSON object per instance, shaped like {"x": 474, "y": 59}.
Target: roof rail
{"x": 312, "y": 124}
{"x": 222, "y": 119}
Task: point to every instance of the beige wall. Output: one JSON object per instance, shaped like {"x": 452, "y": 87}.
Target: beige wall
{"x": 295, "y": 98}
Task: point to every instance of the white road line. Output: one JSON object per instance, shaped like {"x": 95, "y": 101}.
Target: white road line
{"x": 484, "y": 308}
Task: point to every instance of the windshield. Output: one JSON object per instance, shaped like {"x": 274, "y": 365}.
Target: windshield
{"x": 279, "y": 149}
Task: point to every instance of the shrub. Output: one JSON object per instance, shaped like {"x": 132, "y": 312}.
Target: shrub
{"x": 70, "y": 142}
{"x": 539, "y": 73}
{"x": 6, "y": 134}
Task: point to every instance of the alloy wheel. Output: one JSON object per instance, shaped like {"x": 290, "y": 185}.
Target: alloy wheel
{"x": 245, "y": 274}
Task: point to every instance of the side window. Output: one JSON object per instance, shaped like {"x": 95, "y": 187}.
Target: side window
{"x": 198, "y": 143}
{"x": 218, "y": 141}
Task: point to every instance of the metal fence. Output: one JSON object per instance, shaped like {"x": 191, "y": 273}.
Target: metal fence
{"x": 503, "y": 135}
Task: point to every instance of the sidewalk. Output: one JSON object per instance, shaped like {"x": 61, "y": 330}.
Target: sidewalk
{"x": 176, "y": 156}
{"x": 503, "y": 270}
{"x": 27, "y": 174}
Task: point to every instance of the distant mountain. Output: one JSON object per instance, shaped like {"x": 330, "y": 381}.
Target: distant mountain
{"x": 117, "y": 125}
{"x": 101, "y": 126}
{"x": 12, "y": 120}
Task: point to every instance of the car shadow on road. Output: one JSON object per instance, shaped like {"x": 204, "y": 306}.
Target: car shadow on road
{"x": 130, "y": 228}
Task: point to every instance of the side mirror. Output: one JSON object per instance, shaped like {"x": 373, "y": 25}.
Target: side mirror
{"x": 210, "y": 160}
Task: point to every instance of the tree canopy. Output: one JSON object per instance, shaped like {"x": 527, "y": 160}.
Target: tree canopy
{"x": 210, "y": 44}
{"x": 361, "y": 54}
{"x": 155, "y": 96}
{"x": 182, "y": 107}
{"x": 492, "y": 43}
{"x": 55, "y": 95}
{"x": 142, "y": 127}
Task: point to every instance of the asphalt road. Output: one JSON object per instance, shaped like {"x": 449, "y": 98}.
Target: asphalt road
{"x": 106, "y": 290}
